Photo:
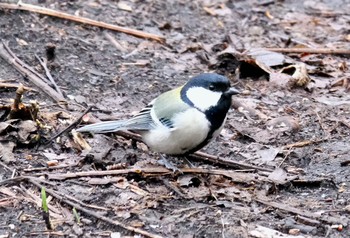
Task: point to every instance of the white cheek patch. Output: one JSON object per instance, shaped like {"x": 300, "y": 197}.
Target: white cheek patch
{"x": 203, "y": 98}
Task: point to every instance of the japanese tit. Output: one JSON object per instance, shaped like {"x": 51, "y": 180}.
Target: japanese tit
{"x": 182, "y": 120}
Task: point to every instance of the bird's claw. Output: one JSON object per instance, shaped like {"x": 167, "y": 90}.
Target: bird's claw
{"x": 167, "y": 164}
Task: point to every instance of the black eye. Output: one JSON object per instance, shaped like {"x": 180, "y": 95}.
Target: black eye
{"x": 211, "y": 87}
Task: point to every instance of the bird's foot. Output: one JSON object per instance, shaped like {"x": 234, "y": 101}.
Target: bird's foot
{"x": 189, "y": 164}
{"x": 167, "y": 164}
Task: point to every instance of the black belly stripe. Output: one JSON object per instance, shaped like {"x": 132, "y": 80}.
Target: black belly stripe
{"x": 216, "y": 116}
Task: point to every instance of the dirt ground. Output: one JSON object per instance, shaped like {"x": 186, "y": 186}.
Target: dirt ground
{"x": 283, "y": 166}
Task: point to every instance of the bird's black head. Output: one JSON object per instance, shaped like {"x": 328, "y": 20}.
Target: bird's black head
{"x": 210, "y": 93}
{"x": 211, "y": 81}
{"x": 207, "y": 90}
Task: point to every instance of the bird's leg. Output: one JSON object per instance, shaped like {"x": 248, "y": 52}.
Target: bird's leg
{"x": 167, "y": 164}
{"x": 189, "y": 164}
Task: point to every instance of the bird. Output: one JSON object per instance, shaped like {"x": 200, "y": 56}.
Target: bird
{"x": 180, "y": 121}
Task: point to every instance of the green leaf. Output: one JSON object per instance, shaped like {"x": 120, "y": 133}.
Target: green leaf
{"x": 76, "y": 215}
{"x": 43, "y": 199}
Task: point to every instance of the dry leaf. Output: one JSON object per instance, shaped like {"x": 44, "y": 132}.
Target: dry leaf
{"x": 77, "y": 137}
{"x": 124, "y": 6}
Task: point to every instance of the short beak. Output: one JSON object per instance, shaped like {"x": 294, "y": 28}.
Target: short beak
{"x": 232, "y": 91}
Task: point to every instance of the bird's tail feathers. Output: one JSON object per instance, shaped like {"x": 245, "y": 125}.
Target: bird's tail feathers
{"x": 104, "y": 127}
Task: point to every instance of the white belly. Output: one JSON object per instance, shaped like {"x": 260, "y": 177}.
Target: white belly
{"x": 190, "y": 130}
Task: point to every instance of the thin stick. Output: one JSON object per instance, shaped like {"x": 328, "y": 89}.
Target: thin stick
{"x": 69, "y": 127}
{"x": 15, "y": 85}
{"x": 23, "y": 64}
{"x": 47, "y": 233}
{"x": 345, "y": 123}
{"x": 114, "y": 42}
{"x": 294, "y": 210}
{"x": 4, "y": 165}
{"x": 27, "y": 71}
{"x": 311, "y": 50}
{"x": 173, "y": 188}
{"x": 286, "y": 156}
{"x": 238, "y": 177}
{"x": 51, "y": 167}
{"x": 54, "y": 13}
{"x": 305, "y": 143}
{"x": 230, "y": 163}
{"x": 48, "y": 74}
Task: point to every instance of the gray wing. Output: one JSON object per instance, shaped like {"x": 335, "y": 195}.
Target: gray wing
{"x": 159, "y": 111}
{"x": 140, "y": 122}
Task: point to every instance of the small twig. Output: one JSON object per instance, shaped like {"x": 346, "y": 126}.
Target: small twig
{"x": 27, "y": 71}
{"x": 229, "y": 163}
{"x": 4, "y": 165}
{"x": 23, "y": 64}
{"x": 84, "y": 20}
{"x": 320, "y": 121}
{"x": 18, "y": 179}
{"x": 292, "y": 40}
{"x": 47, "y": 233}
{"x": 13, "y": 173}
{"x": 48, "y": 74}
{"x": 92, "y": 213}
{"x": 129, "y": 135}
{"x": 15, "y": 85}
{"x": 286, "y": 156}
{"x": 7, "y": 80}
{"x": 305, "y": 143}
{"x": 223, "y": 226}
{"x": 345, "y": 123}
{"x": 310, "y": 50}
{"x": 238, "y": 177}
{"x": 71, "y": 126}
{"x": 173, "y": 188}
{"x": 51, "y": 167}
{"x": 114, "y": 42}
{"x": 285, "y": 207}
{"x": 11, "y": 181}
